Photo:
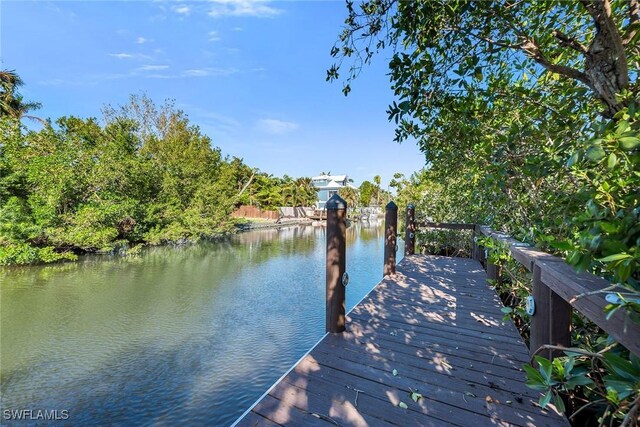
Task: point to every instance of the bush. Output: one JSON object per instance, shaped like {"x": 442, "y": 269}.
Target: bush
{"x": 24, "y": 253}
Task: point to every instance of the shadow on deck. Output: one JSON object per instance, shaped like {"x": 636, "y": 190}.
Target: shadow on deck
{"x": 434, "y": 328}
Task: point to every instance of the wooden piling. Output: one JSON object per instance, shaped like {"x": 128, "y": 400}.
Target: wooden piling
{"x": 336, "y": 263}
{"x": 410, "y": 231}
{"x": 390, "y": 240}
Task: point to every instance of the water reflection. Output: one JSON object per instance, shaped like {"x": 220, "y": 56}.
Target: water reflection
{"x": 180, "y": 335}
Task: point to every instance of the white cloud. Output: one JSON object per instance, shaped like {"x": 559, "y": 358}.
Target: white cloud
{"x": 138, "y": 56}
{"x": 182, "y": 9}
{"x": 214, "y": 36}
{"x": 142, "y": 40}
{"x": 53, "y": 82}
{"x": 276, "y": 127}
{"x": 205, "y": 72}
{"x": 256, "y": 8}
{"x": 152, "y": 67}
{"x": 121, "y": 55}
{"x": 198, "y": 72}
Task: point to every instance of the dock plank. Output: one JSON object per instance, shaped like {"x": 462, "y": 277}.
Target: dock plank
{"x": 439, "y": 326}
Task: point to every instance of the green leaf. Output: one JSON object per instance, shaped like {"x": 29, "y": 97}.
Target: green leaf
{"x": 402, "y": 405}
{"x": 615, "y": 257}
{"x": 477, "y": 74}
{"x": 612, "y": 160}
{"x": 559, "y": 403}
{"x": 415, "y": 396}
{"x": 568, "y": 365}
{"x": 534, "y": 378}
{"x": 562, "y": 245}
{"x": 545, "y": 368}
{"x": 595, "y": 153}
{"x": 611, "y": 309}
{"x": 395, "y": 372}
{"x": 578, "y": 381}
{"x": 621, "y": 366}
{"x": 629, "y": 142}
{"x": 575, "y": 157}
{"x": 544, "y": 400}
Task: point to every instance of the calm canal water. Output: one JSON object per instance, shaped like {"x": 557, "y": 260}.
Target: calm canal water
{"x": 179, "y": 336}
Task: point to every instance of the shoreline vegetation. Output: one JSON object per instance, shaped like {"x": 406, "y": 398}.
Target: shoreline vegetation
{"x": 141, "y": 176}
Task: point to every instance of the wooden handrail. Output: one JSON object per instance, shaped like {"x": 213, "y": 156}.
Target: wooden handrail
{"x": 446, "y": 225}
{"x": 557, "y": 289}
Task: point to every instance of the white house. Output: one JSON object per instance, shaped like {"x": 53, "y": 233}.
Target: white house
{"x": 328, "y": 185}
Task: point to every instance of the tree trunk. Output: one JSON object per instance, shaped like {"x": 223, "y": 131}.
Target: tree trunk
{"x": 605, "y": 60}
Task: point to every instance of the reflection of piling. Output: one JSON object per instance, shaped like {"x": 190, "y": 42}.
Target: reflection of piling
{"x": 410, "y": 231}
{"x": 336, "y": 263}
{"x": 390, "y": 230}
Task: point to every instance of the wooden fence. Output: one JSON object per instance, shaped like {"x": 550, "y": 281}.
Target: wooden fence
{"x": 254, "y": 212}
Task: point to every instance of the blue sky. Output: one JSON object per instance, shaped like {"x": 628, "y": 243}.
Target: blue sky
{"x": 251, "y": 74}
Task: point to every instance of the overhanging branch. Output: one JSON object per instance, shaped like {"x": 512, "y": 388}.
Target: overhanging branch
{"x": 570, "y": 42}
{"x": 634, "y": 21}
{"x": 532, "y": 50}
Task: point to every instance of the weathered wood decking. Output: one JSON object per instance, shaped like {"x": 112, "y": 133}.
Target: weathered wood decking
{"x": 439, "y": 325}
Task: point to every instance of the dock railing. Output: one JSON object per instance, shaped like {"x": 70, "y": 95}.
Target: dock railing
{"x": 557, "y": 288}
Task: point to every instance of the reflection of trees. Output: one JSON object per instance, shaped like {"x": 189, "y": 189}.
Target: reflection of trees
{"x": 124, "y": 317}
{"x": 261, "y": 245}
{"x": 364, "y": 231}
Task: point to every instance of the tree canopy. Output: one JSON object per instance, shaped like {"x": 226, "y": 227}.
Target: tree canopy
{"x": 11, "y": 102}
{"x": 527, "y": 113}
{"x": 143, "y": 175}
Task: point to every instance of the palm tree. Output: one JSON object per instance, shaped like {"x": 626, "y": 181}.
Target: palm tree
{"x": 300, "y": 192}
{"x": 349, "y": 195}
{"x": 308, "y": 192}
{"x": 377, "y": 180}
{"x": 11, "y": 102}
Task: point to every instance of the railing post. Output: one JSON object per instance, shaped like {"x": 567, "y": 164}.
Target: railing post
{"x": 478, "y": 254}
{"x": 559, "y": 323}
{"x": 493, "y": 273}
{"x": 410, "y": 231}
{"x": 477, "y": 250}
{"x": 541, "y": 317}
{"x": 390, "y": 231}
{"x": 551, "y": 321}
{"x": 336, "y": 209}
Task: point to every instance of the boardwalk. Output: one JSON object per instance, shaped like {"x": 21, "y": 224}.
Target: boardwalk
{"x": 435, "y": 329}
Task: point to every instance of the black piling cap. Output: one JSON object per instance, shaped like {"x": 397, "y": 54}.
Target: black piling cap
{"x": 335, "y": 203}
{"x": 391, "y": 206}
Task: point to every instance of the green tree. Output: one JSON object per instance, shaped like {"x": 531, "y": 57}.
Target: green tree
{"x": 350, "y": 195}
{"x": 527, "y": 115}
{"x": 306, "y": 193}
{"x": 367, "y": 190}
{"x": 377, "y": 180}
{"x": 146, "y": 175}
{"x": 11, "y": 102}
{"x": 445, "y": 48}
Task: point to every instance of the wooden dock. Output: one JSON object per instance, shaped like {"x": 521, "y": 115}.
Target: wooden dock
{"x": 434, "y": 328}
